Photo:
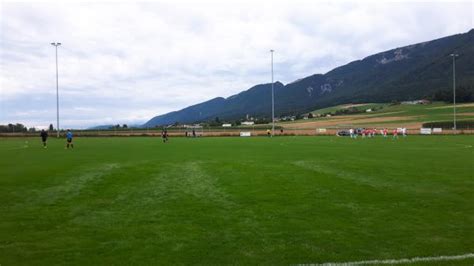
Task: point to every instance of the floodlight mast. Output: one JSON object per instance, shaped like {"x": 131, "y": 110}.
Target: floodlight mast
{"x": 454, "y": 90}
{"x": 273, "y": 99}
{"x": 56, "y": 44}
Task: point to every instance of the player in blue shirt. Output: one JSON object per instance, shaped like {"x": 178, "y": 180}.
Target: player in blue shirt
{"x": 69, "y": 139}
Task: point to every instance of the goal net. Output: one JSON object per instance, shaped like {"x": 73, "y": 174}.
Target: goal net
{"x": 194, "y": 131}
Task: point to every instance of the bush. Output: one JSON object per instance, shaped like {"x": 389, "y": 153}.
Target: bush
{"x": 464, "y": 124}
{"x": 464, "y": 94}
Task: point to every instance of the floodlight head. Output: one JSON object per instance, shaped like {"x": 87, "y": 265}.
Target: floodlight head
{"x": 272, "y": 50}
{"x": 454, "y": 55}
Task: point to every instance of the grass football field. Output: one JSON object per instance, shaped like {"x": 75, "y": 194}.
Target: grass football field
{"x": 285, "y": 200}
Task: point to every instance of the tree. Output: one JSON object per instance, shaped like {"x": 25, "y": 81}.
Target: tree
{"x": 262, "y": 120}
{"x": 51, "y": 128}
{"x": 124, "y": 126}
{"x": 310, "y": 115}
{"x": 463, "y": 94}
{"x": 217, "y": 120}
{"x": 14, "y": 128}
{"x": 21, "y": 128}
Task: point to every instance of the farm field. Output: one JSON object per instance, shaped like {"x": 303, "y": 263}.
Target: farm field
{"x": 385, "y": 115}
{"x": 274, "y": 201}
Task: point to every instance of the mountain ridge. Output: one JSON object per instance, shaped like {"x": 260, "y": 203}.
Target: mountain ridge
{"x": 403, "y": 73}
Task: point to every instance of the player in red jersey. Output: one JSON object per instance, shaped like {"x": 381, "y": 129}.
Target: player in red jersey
{"x": 395, "y": 133}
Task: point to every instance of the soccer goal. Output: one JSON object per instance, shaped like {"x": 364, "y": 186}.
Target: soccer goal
{"x": 194, "y": 131}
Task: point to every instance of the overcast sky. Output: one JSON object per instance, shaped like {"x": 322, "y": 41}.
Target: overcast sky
{"x": 127, "y": 62}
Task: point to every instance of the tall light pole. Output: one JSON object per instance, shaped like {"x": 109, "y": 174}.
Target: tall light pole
{"x": 273, "y": 99}
{"x": 56, "y": 44}
{"x": 454, "y": 89}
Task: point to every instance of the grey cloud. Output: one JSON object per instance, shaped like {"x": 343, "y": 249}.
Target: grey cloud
{"x": 129, "y": 62}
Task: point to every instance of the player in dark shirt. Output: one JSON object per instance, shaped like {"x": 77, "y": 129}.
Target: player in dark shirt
{"x": 164, "y": 135}
{"x": 44, "y": 137}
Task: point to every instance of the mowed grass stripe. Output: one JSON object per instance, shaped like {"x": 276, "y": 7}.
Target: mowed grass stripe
{"x": 403, "y": 261}
{"x": 230, "y": 200}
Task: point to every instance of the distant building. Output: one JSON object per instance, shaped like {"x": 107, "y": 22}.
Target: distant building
{"x": 226, "y": 125}
{"x": 287, "y": 118}
{"x": 248, "y": 123}
{"x": 423, "y": 101}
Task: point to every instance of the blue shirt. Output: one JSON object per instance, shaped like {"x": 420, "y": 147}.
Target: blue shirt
{"x": 69, "y": 135}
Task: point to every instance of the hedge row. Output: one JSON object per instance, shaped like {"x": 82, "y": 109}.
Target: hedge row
{"x": 464, "y": 124}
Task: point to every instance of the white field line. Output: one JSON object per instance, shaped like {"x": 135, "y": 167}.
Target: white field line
{"x": 465, "y": 146}
{"x": 18, "y": 148}
{"x": 398, "y": 261}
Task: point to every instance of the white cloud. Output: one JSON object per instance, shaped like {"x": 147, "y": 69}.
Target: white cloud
{"x": 126, "y": 62}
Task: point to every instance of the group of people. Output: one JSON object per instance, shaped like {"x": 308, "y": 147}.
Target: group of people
{"x": 372, "y": 132}
{"x": 269, "y": 133}
{"x": 193, "y": 134}
{"x": 164, "y": 135}
{"x": 69, "y": 143}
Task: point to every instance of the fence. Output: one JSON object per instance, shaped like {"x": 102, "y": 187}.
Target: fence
{"x": 213, "y": 131}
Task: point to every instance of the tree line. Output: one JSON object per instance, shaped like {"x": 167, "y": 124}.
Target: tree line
{"x": 19, "y": 128}
{"x": 464, "y": 94}
{"x": 14, "y": 128}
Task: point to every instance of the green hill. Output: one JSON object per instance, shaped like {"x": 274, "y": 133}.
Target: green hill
{"x": 385, "y": 114}
{"x": 418, "y": 71}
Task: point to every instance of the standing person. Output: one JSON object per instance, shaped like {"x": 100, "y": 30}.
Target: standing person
{"x": 395, "y": 133}
{"x": 164, "y": 135}
{"x": 351, "y": 132}
{"x": 385, "y": 131}
{"x": 44, "y": 137}
{"x": 404, "y": 132}
{"x": 69, "y": 139}
{"x": 194, "y": 133}
{"x": 268, "y": 132}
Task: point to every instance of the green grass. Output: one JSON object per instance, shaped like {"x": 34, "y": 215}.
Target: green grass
{"x": 435, "y": 112}
{"x": 430, "y": 112}
{"x": 361, "y": 107}
{"x": 285, "y": 200}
